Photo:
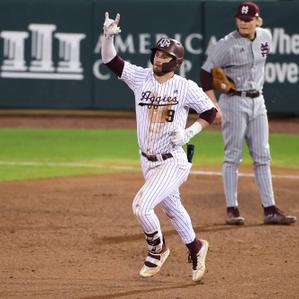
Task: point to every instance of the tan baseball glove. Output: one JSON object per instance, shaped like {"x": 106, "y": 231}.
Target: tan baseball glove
{"x": 222, "y": 82}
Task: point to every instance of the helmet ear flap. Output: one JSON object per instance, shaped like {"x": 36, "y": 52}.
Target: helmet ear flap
{"x": 170, "y": 66}
{"x": 179, "y": 63}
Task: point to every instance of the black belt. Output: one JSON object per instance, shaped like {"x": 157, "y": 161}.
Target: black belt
{"x": 154, "y": 158}
{"x": 249, "y": 94}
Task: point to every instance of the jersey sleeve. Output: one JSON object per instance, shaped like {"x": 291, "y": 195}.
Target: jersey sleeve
{"x": 133, "y": 75}
{"x": 218, "y": 56}
{"x": 197, "y": 99}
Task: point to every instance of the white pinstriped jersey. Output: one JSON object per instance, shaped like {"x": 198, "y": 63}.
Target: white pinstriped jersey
{"x": 161, "y": 108}
{"x": 242, "y": 60}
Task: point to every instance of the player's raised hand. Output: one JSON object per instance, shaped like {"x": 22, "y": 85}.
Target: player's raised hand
{"x": 110, "y": 26}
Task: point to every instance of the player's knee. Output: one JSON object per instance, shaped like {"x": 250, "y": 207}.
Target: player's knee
{"x": 136, "y": 210}
{"x": 261, "y": 161}
{"x": 233, "y": 157}
{"x": 137, "y": 206}
{"x": 140, "y": 212}
{"x": 172, "y": 213}
{"x": 232, "y": 163}
{"x": 263, "y": 157}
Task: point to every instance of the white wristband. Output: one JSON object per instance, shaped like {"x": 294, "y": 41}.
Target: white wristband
{"x": 194, "y": 129}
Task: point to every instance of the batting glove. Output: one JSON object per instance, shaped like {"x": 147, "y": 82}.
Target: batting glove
{"x": 110, "y": 26}
{"x": 180, "y": 137}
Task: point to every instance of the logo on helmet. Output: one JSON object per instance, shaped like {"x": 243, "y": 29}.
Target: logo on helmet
{"x": 244, "y": 10}
{"x": 164, "y": 43}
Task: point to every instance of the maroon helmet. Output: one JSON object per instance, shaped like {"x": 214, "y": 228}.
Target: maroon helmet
{"x": 172, "y": 47}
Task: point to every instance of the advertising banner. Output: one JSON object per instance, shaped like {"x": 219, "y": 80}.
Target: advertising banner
{"x": 45, "y": 54}
{"x": 50, "y": 49}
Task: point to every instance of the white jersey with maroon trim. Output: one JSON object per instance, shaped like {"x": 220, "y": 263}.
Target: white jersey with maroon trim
{"x": 161, "y": 108}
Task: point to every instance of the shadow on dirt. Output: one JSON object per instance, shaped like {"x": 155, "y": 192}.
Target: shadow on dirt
{"x": 143, "y": 291}
{"x": 199, "y": 229}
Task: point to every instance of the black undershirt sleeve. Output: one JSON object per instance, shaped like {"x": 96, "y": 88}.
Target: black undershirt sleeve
{"x": 116, "y": 65}
{"x": 209, "y": 115}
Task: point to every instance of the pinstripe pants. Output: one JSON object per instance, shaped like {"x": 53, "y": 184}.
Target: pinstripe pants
{"x": 162, "y": 182}
{"x": 245, "y": 119}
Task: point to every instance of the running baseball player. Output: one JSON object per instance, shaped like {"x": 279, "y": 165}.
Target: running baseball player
{"x": 241, "y": 55}
{"x": 162, "y": 102}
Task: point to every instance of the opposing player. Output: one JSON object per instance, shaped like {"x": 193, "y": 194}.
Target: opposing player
{"x": 162, "y": 101}
{"x": 242, "y": 55}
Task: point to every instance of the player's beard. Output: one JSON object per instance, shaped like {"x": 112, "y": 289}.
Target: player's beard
{"x": 158, "y": 71}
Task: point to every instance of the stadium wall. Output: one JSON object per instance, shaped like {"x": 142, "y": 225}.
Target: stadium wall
{"x": 49, "y": 49}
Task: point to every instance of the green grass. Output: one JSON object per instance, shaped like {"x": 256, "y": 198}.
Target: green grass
{"x": 42, "y": 153}
{"x": 284, "y": 149}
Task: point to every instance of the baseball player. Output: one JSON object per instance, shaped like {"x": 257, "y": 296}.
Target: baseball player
{"x": 162, "y": 101}
{"x": 242, "y": 55}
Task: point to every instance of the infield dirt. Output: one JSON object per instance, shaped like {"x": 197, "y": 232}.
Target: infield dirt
{"x": 76, "y": 237}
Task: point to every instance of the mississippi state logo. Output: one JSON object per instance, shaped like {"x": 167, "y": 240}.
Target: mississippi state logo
{"x": 164, "y": 43}
{"x": 265, "y": 49}
{"x": 244, "y": 10}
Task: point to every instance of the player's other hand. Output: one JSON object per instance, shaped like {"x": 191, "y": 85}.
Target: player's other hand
{"x": 110, "y": 26}
{"x": 179, "y": 137}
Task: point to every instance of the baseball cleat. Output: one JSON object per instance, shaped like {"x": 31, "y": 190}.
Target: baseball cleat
{"x": 198, "y": 261}
{"x": 273, "y": 215}
{"x": 153, "y": 263}
{"x": 233, "y": 216}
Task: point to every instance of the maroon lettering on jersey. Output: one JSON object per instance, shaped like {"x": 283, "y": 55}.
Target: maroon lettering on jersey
{"x": 150, "y": 100}
{"x": 265, "y": 49}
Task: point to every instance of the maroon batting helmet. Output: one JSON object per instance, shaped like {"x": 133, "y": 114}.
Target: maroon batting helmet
{"x": 172, "y": 47}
